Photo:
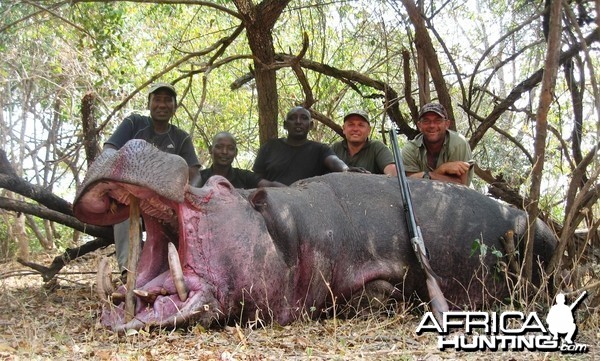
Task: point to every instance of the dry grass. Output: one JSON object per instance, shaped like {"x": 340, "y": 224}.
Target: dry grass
{"x": 37, "y": 323}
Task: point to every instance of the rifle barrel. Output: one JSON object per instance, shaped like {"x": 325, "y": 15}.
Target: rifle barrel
{"x": 406, "y": 199}
{"x": 439, "y": 305}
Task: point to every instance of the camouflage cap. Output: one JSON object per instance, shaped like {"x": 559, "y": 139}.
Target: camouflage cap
{"x": 167, "y": 86}
{"x": 360, "y": 113}
{"x": 434, "y": 107}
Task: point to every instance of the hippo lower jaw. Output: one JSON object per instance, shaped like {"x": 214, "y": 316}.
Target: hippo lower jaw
{"x": 165, "y": 312}
{"x": 167, "y": 294}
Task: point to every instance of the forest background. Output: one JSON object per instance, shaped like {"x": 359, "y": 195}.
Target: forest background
{"x": 519, "y": 78}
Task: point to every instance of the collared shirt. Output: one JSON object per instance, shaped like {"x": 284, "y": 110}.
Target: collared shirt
{"x": 374, "y": 156}
{"x": 239, "y": 178}
{"x": 455, "y": 148}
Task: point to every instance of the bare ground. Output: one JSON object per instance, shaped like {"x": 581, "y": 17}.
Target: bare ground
{"x": 61, "y": 323}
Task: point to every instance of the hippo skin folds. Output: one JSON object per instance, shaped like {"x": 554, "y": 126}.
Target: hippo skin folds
{"x": 279, "y": 254}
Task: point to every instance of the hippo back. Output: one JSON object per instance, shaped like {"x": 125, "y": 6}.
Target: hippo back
{"x": 353, "y": 222}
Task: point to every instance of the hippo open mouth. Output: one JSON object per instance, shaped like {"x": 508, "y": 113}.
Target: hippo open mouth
{"x": 168, "y": 291}
{"x": 167, "y": 286}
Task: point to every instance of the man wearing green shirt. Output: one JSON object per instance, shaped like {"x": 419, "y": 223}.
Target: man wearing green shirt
{"x": 358, "y": 151}
{"x": 437, "y": 153}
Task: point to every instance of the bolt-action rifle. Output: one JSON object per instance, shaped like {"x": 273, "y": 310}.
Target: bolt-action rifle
{"x": 438, "y": 301}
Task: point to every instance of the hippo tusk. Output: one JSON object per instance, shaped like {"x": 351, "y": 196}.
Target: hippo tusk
{"x": 104, "y": 285}
{"x": 148, "y": 297}
{"x": 177, "y": 273}
{"x": 117, "y": 298}
{"x": 141, "y": 293}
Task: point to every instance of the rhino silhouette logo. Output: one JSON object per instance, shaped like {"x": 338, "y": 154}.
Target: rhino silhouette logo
{"x": 560, "y": 318}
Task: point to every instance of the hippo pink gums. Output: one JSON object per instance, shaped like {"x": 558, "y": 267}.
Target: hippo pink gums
{"x": 283, "y": 253}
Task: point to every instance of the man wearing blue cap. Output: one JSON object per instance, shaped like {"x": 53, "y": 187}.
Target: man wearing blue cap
{"x": 437, "y": 153}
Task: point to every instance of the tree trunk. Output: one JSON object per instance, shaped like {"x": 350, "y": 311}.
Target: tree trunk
{"x": 18, "y": 230}
{"x": 259, "y": 21}
{"x": 19, "y": 226}
{"x": 422, "y": 71}
{"x": 425, "y": 47}
{"x": 89, "y": 126}
{"x": 38, "y": 234}
{"x": 541, "y": 129}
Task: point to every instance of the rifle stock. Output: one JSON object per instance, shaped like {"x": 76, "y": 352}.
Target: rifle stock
{"x": 439, "y": 305}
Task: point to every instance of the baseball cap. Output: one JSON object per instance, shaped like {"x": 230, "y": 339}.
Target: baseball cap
{"x": 434, "y": 107}
{"x": 167, "y": 86}
{"x": 360, "y": 113}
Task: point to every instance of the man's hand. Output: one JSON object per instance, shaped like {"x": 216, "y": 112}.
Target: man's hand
{"x": 358, "y": 170}
{"x": 456, "y": 168}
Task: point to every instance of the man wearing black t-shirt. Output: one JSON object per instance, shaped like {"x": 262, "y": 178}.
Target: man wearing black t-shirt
{"x": 286, "y": 160}
{"x": 222, "y": 152}
{"x": 155, "y": 129}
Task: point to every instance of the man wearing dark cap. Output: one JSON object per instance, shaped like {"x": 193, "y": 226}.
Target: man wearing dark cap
{"x": 437, "y": 153}
{"x": 356, "y": 150}
{"x": 157, "y": 130}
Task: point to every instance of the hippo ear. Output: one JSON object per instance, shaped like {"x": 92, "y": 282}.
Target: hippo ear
{"x": 258, "y": 199}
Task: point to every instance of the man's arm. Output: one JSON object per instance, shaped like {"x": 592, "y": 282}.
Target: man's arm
{"x": 195, "y": 179}
{"x": 252, "y": 180}
{"x": 384, "y": 158}
{"x": 460, "y": 159}
{"x": 123, "y": 133}
{"x": 259, "y": 167}
{"x": 335, "y": 164}
{"x": 390, "y": 170}
{"x": 267, "y": 183}
{"x": 457, "y": 172}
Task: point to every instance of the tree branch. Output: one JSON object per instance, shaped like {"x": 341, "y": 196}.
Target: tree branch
{"x": 524, "y": 87}
{"x": 51, "y": 215}
{"x": 11, "y": 181}
{"x": 209, "y": 4}
{"x": 70, "y": 254}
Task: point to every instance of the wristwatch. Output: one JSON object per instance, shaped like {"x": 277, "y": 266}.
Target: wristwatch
{"x": 426, "y": 174}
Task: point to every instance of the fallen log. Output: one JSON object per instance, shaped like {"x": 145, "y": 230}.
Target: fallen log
{"x": 48, "y": 273}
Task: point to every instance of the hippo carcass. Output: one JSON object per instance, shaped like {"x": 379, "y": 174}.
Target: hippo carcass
{"x": 283, "y": 253}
